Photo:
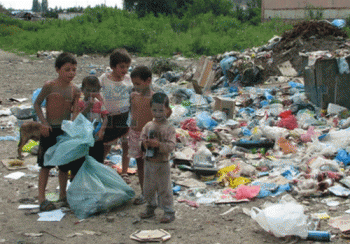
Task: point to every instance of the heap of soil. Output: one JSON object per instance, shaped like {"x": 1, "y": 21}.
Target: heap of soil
{"x": 306, "y": 36}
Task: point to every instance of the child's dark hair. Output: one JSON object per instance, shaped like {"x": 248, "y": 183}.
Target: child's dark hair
{"x": 142, "y": 72}
{"x": 160, "y": 97}
{"x": 119, "y": 56}
{"x": 64, "y": 58}
{"x": 91, "y": 81}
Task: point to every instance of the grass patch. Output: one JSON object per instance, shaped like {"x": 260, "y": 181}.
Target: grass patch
{"x": 102, "y": 29}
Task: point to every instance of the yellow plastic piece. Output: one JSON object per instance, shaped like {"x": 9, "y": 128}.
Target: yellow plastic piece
{"x": 28, "y": 147}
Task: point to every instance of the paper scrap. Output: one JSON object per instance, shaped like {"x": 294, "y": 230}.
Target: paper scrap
{"x": 341, "y": 222}
{"x": 33, "y": 234}
{"x": 28, "y": 206}
{"x": 15, "y": 175}
{"x": 54, "y": 215}
{"x": 339, "y": 191}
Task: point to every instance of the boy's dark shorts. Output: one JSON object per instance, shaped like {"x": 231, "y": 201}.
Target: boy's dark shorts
{"x": 47, "y": 142}
{"x": 116, "y": 128}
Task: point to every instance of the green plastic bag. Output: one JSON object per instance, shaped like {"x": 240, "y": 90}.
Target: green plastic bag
{"x": 97, "y": 188}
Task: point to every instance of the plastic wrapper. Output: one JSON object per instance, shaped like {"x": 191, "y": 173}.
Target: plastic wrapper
{"x": 282, "y": 219}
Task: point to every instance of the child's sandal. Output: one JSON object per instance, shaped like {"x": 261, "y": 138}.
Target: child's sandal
{"x": 167, "y": 218}
{"x": 126, "y": 178}
{"x": 47, "y": 206}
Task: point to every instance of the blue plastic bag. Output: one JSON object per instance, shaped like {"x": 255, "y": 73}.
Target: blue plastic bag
{"x": 73, "y": 144}
{"x": 226, "y": 64}
{"x": 340, "y": 23}
{"x": 343, "y": 156}
{"x": 35, "y": 95}
{"x": 97, "y": 188}
{"x": 205, "y": 121}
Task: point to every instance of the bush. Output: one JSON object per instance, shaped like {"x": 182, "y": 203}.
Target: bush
{"x": 102, "y": 29}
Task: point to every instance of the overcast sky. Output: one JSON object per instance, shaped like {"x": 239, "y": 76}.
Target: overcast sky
{"x": 27, "y": 4}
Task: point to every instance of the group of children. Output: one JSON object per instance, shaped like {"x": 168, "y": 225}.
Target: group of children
{"x": 108, "y": 101}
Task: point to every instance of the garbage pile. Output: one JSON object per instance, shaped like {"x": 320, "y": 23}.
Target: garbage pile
{"x": 256, "y": 65}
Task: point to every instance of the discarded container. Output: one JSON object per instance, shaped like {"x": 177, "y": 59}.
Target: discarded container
{"x": 263, "y": 143}
{"x": 315, "y": 235}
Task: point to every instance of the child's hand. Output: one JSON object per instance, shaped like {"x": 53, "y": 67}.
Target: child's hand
{"x": 151, "y": 143}
{"x": 90, "y": 103}
{"x": 100, "y": 134}
{"x": 45, "y": 130}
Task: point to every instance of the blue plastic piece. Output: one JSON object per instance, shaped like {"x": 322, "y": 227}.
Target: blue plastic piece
{"x": 35, "y": 95}
{"x": 97, "y": 188}
{"x": 205, "y": 121}
{"x": 343, "y": 156}
{"x": 226, "y": 64}
{"x": 340, "y": 23}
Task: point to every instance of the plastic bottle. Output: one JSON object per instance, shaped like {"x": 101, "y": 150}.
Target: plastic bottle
{"x": 315, "y": 235}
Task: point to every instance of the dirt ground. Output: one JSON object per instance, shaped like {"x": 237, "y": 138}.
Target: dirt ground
{"x": 20, "y": 76}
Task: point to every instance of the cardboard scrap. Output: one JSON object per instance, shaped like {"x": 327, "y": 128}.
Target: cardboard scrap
{"x": 8, "y": 163}
{"x": 191, "y": 183}
{"x": 150, "y": 235}
{"x": 226, "y": 105}
{"x": 204, "y": 75}
{"x": 341, "y": 222}
{"x": 287, "y": 69}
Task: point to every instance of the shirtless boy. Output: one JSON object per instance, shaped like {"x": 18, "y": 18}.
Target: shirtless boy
{"x": 61, "y": 99}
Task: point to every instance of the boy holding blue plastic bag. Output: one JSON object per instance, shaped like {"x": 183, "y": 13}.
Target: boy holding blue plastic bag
{"x": 61, "y": 99}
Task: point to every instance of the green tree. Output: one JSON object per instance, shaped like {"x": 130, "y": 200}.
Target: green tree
{"x": 44, "y": 6}
{"x": 217, "y": 7}
{"x": 36, "y": 6}
{"x": 179, "y": 7}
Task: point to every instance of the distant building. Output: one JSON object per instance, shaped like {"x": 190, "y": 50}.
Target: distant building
{"x": 26, "y": 15}
{"x": 300, "y": 9}
{"x": 68, "y": 16}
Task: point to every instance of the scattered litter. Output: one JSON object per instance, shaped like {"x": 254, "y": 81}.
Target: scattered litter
{"x": 339, "y": 191}
{"x": 54, "y": 215}
{"x": 33, "y": 234}
{"x": 230, "y": 210}
{"x": 28, "y": 206}
{"x": 150, "y": 235}
{"x": 341, "y": 222}
{"x": 190, "y": 203}
{"x": 15, "y": 175}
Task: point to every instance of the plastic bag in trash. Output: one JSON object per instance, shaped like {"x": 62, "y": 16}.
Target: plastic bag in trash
{"x": 97, "y": 188}
{"x": 226, "y": 64}
{"x": 73, "y": 144}
{"x": 340, "y": 23}
{"x": 343, "y": 156}
{"x": 282, "y": 219}
{"x": 205, "y": 121}
{"x": 343, "y": 66}
{"x": 246, "y": 192}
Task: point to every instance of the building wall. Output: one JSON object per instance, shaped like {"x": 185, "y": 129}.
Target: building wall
{"x": 297, "y": 9}
{"x": 68, "y": 16}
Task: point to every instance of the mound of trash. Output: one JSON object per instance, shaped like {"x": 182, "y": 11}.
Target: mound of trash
{"x": 306, "y": 36}
{"x": 309, "y": 29}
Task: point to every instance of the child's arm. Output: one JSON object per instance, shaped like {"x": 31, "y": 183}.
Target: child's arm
{"x": 75, "y": 107}
{"x": 45, "y": 91}
{"x": 101, "y": 132}
{"x": 144, "y": 138}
